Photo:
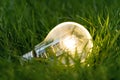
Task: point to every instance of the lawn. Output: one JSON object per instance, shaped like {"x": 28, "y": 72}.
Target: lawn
{"x": 25, "y": 23}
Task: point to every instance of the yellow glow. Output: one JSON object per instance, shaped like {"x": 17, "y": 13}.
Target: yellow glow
{"x": 69, "y": 43}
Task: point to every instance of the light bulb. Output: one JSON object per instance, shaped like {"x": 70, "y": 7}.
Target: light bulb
{"x": 68, "y": 37}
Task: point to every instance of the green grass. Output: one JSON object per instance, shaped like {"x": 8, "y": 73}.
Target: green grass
{"x": 25, "y": 23}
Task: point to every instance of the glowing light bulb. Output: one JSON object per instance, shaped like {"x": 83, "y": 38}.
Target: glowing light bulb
{"x": 65, "y": 37}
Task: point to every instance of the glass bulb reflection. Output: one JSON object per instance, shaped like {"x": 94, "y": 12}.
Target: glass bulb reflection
{"x": 66, "y": 37}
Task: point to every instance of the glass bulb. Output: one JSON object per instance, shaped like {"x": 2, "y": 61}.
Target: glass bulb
{"x": 68, "y": 37}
